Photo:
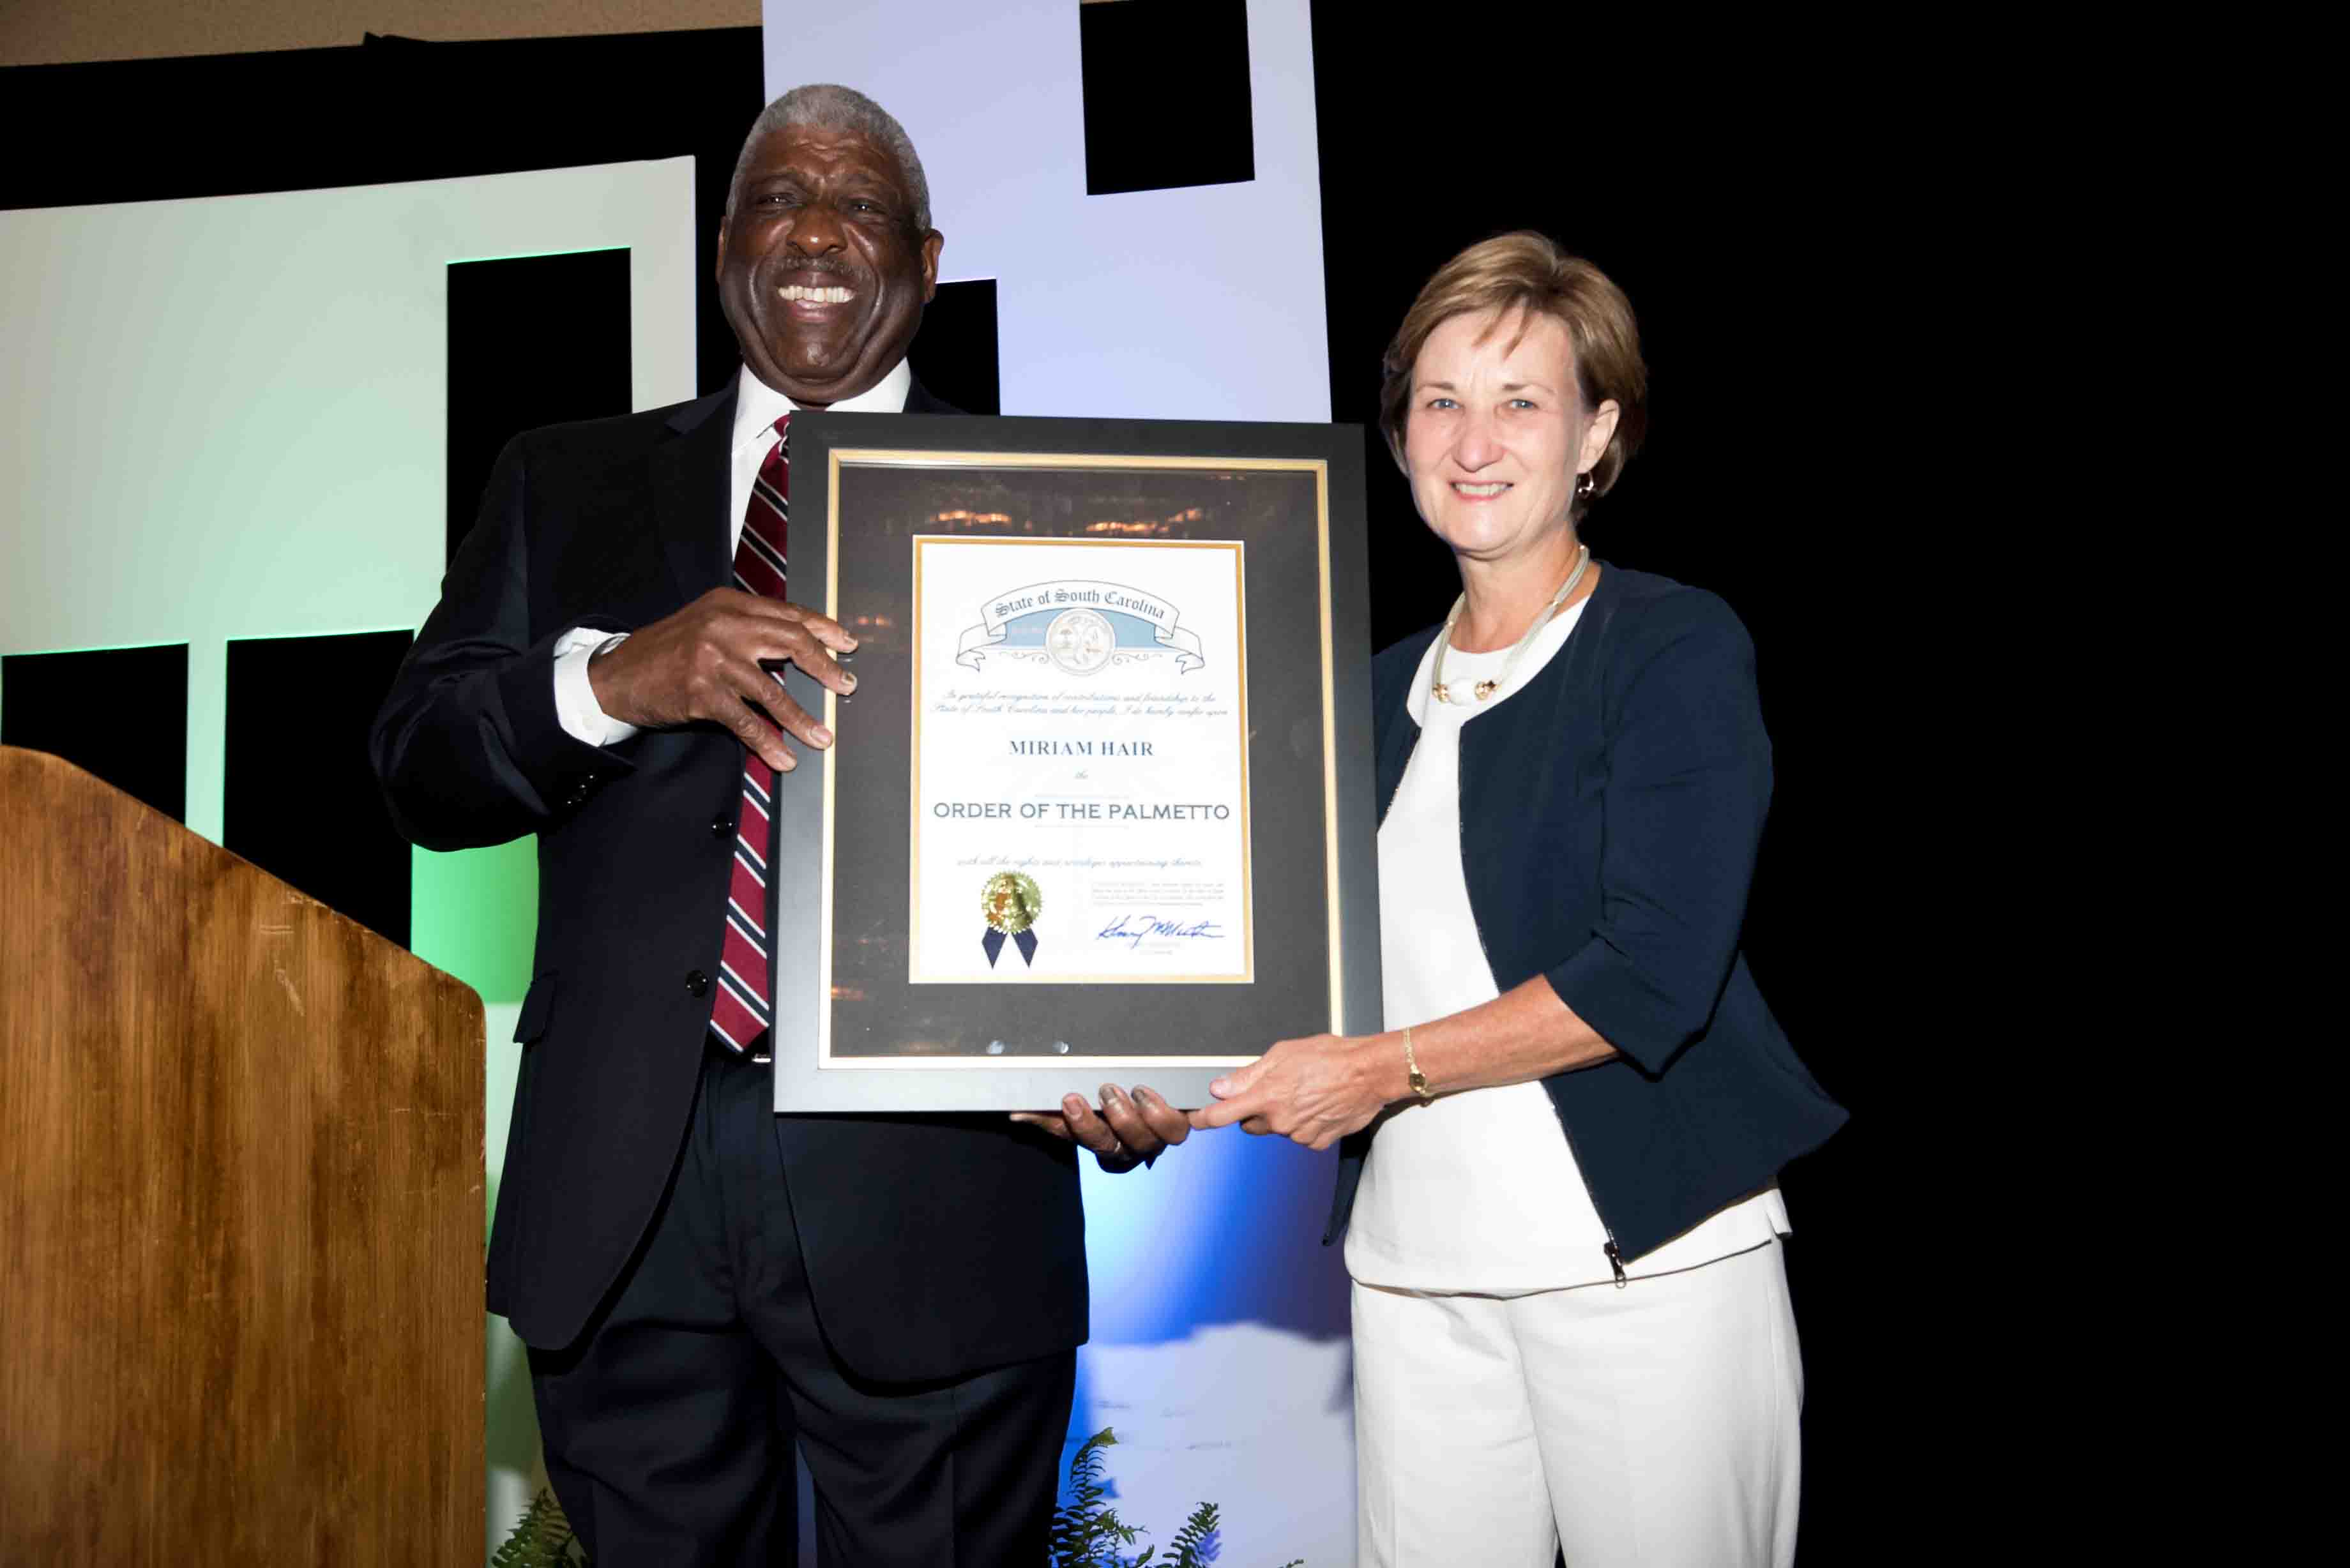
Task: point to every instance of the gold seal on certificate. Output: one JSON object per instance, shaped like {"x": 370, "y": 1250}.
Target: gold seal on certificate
{"x": 1010, "y": 903}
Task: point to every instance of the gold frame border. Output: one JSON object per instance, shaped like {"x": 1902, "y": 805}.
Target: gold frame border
{"x": 899, "y": 457}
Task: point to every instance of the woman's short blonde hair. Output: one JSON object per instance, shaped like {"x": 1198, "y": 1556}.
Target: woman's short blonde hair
{"x": 1532, "y": 272}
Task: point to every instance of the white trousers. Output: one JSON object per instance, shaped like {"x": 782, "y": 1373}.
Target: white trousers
{"x": 1656, "y": 1424}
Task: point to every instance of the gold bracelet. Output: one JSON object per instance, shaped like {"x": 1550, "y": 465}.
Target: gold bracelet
{"x": 1413, "y": 1075}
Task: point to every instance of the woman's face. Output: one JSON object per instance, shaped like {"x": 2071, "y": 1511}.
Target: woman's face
{"x": 1497, "y": 434}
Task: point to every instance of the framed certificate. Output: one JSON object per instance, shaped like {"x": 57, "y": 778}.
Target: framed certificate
{"x": 1100, "y": 808}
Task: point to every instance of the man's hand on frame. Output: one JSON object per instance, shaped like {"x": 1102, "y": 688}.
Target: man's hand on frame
{"x": 1129, "y": 1130}
{"x": 712, "y": 661}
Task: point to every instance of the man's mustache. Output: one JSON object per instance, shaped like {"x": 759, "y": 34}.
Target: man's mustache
{"x": 789, "y": 272}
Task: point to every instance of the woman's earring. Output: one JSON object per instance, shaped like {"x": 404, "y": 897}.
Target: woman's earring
{"x": 1584, "y": 485}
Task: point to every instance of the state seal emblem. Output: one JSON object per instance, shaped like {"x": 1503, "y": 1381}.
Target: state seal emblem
{"x": 1080, "y": 641}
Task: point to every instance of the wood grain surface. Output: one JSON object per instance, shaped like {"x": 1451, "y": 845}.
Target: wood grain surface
{"x": 240, "y": 1208}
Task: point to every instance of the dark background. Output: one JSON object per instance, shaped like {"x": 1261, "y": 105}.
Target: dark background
{"x": 1758, "y": 211}
{"x": 1773, "y": 210}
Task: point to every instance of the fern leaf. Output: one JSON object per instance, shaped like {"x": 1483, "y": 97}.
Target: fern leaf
{"x": 542, "y": 1538}
{"x": 1083, "y": 1526}
{"x": 1191, "y": 1541}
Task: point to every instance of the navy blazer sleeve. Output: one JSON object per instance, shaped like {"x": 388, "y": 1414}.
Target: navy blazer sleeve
{"x": 467, "y": 746}
{"x": 1688, "y": 785}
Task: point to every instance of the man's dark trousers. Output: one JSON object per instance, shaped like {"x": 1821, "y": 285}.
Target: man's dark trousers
{"x": 669, "y": 1427}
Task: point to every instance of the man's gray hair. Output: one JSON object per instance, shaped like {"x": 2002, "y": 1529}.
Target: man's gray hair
{"x": 825, "y": 107}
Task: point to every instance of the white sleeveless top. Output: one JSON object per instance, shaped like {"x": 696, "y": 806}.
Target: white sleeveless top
{"x": 1477, "y": 1190}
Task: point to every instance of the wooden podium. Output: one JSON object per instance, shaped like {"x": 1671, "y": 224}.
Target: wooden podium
{"x": 240, "y": 1208}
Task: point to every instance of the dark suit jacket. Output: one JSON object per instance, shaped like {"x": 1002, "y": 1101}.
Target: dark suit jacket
{"x": 934, "y": 1245}
{"x": 1609, "y": 817}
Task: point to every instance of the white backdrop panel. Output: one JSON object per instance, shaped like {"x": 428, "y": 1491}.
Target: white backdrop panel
{"x": 1202, "y": 303}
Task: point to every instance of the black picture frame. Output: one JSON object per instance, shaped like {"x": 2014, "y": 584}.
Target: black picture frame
{"x": 853, "y": 1032}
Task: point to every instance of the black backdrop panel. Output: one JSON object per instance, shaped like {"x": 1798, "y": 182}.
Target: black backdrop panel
{"x": 394, "y": 109}
{"x": 955, "y": 352}
{"x": 118, "y": 712}
{"x": 300, "y": 799}
{"x": 1167, "y": 95}
{"x": 1750, "y": 200}
{"x": 511, "y": 368}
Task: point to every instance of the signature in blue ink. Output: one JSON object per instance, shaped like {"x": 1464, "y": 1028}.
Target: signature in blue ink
{"x": 1135, "y": 930}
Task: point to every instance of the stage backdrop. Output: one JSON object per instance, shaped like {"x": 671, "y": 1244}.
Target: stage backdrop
{"x": 1726, "y": 189}
{"x": 1141, "y": 182}
{"x": 226, "y": 427}
{"x": 230, "y": 432}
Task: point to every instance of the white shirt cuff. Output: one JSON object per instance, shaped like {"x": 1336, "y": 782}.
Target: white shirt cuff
{"x": 575, "y": 698}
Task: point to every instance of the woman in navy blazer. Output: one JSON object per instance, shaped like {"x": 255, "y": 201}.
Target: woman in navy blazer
{"x": 1557, "y": 1174}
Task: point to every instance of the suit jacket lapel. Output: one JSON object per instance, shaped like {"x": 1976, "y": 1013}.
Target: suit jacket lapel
{"x": 691, "y": 491}
{"x": 921, "y": 400}
{"x": 692, "y": 487}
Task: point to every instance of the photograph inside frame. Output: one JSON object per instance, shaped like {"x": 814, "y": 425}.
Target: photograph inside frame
{"x": 1085, "y": 806}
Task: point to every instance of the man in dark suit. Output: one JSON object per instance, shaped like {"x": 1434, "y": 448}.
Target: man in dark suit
{"x": 700, "y": 1281}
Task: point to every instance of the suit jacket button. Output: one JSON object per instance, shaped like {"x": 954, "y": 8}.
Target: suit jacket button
{"x": 696, "y": 982}
{"x": 720, "y": 828}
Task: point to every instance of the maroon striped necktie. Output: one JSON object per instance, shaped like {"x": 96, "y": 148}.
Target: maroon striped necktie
{"x": 745, "y": 1005}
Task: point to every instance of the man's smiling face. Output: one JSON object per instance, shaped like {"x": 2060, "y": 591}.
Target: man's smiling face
{"x": 820, "y": 268}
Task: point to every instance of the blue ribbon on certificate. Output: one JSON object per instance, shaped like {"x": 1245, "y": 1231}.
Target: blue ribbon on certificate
{"x": 1025, "y": 940}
